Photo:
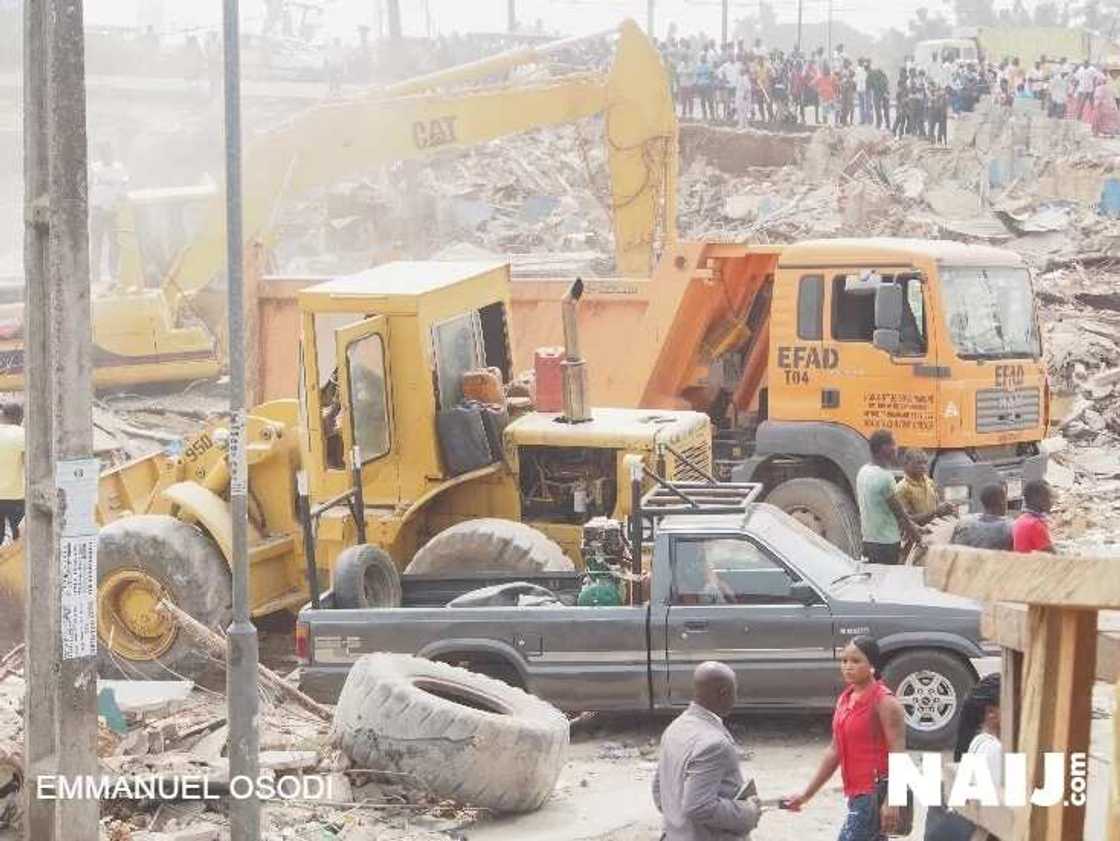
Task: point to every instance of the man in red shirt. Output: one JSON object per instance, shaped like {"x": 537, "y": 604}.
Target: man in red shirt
{"x": 1030, "y": 532}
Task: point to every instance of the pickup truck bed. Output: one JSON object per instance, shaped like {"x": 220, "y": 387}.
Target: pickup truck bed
{"x": 772, "y": 599}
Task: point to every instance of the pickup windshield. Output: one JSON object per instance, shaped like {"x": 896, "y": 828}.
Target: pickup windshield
{"x": 990, "y": 312}
{"x": 818, "y": 558}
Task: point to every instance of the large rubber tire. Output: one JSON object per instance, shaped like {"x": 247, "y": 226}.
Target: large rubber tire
{"x": 365, "y": 576}
{"x": 461, "y": 735}
{"x": 825, "y": 508}
{"x": 932, "y": 686}
{"x": 489, "y": 545}
{"x": 189, "y": 568}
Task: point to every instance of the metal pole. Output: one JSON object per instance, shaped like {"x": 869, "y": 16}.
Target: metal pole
{"x": 649, "y": 18}
{"x": 40, "y": 636}
{"x": 724, "y": 22}
{"x": 243, "y": 654}
{"x": 511, "y": 15}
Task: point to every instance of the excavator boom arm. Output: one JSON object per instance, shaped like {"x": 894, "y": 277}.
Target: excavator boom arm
{"x": 330, "y": 142}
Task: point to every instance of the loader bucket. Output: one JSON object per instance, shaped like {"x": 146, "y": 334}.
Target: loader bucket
{"x": 12, "y": 584}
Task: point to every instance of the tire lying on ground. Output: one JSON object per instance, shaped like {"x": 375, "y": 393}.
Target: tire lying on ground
{"x": 461, "y": 735}
{"x": 489, "y": 545}
{"x": 365, "y": 576}
{"x": 823, "y": 507}
{"x": 141, "y": 560}
{"x": 11, "y": 783}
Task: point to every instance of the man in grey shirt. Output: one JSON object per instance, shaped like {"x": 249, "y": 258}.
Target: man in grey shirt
{"x": 989, "y": 530}
{"x": 698, "y": 778}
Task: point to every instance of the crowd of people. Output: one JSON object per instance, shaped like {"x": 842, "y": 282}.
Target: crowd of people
{"x": 736, "y": 84}
{"x": 893, "y": 513}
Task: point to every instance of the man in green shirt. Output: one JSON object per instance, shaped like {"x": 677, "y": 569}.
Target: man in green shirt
{"x": 882, "y": 518}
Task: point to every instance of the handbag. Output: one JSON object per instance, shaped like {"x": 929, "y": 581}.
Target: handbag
{"x": 905, "y": 813}
{"x": 944, "y": 824}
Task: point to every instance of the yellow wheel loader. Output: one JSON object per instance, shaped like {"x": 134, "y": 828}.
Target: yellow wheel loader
{"x": 378, "y": 465}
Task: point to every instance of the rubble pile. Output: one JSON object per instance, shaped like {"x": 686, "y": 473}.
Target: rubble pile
{"x": 174, "y": 731}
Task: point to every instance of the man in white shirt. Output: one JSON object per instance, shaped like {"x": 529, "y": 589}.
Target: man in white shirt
{"x": 1086, "y": 79}
{"x": 11, "y": 469}
{"x": 862, "y": 98}
{"x": 108, "y": 185}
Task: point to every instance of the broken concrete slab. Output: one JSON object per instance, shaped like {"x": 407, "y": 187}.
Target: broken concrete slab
{"x": 148, "y": 697}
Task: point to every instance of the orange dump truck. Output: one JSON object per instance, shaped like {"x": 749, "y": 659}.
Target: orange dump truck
{"x": 799, "y": 352}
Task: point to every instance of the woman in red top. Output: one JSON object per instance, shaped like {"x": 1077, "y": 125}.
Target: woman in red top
{"x": 868, "y": 724}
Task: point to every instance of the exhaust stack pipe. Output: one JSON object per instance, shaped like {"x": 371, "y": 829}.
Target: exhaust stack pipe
{"x": 574, "y": 368}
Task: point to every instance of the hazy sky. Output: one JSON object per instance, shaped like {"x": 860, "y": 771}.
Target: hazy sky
{"x": 569, "y": 16}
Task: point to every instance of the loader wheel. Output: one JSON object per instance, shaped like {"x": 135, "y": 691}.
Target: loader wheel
{"x": 141, "y": 560}
{"x": 364, "y": 576}
{"x": 489, "y": 545}
{"x": 461, "y": 735}
{"x": 824, "y": 508}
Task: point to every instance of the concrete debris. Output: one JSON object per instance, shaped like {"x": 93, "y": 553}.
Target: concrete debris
{"x": 176, "y": 736}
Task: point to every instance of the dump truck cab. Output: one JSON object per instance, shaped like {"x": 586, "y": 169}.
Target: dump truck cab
{"x": 383, "y": 356}
{"x": 936, "y": 341}
{"x": 799, "y": 352}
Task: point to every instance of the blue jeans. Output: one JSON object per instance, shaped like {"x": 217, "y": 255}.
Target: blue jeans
{"x": 862, "y": 823}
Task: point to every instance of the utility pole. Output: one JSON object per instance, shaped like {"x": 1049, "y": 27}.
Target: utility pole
{"x": 394, "y": 21}
{"x": 800, "y": 9}
{"x": 61, "y": 701}
{"x": 243, "y": 653}
{"x": 511, "y": 15}
{"x": 724, "y": 22}
{"x": 40, "y": 637}
{"x": 649, "y": 18}
{"x": 829, "y": 30}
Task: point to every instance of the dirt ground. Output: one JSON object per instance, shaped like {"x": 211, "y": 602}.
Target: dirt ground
{"x": 604, "y": 792}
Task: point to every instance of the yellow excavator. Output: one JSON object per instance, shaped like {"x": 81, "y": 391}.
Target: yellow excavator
{"x": 148, "y": 328}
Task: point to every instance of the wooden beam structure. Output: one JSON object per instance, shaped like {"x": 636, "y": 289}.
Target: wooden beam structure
{"x": 1051, "y": 580}
{"x": 1059, "y": 634}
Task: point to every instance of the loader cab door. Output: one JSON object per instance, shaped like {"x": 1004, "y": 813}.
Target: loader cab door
{"x": 885, "y": 374}
{"x": 364, "y": 421}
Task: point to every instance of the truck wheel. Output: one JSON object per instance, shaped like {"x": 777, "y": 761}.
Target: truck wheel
{"x": 931, "y": 685}
{"x": 825, "y": 508}
{"x": 489, "y": 545}
{"x": 364, "y": 576}
{"x": 141, "y": 560}
{"x": 464, "y": 736}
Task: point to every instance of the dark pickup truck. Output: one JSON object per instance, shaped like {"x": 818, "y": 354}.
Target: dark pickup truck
{"x": 755, "y": 589}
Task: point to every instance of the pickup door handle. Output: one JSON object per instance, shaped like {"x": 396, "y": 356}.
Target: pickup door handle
{"x": 696, "y": 625}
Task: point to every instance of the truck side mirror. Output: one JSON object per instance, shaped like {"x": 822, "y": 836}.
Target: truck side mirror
{"x": 803, "y": 592}
{"x": 888, "y": 317}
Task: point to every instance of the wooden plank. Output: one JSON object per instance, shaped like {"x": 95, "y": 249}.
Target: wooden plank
{"x": 1010, "y": 698}
{"x": 1114, "y": 806}
{"x": 1037, "y": 579}
{"x": 1059, "y": 665}
{"x": 1006, "y": 623}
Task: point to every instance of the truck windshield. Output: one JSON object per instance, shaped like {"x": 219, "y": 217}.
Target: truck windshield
{"x": 818, "y": 559}
{"x": 990, "y": 312}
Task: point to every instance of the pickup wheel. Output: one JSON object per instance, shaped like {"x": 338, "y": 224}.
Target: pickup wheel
{"x": 365, "y": 576}
{"x": 489, "y": 545}
{"x": 824, "y": 508}
{"x": 931, "y": 685}
{"x": 466, "y": 737}
{"x": 141, "y": 560}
